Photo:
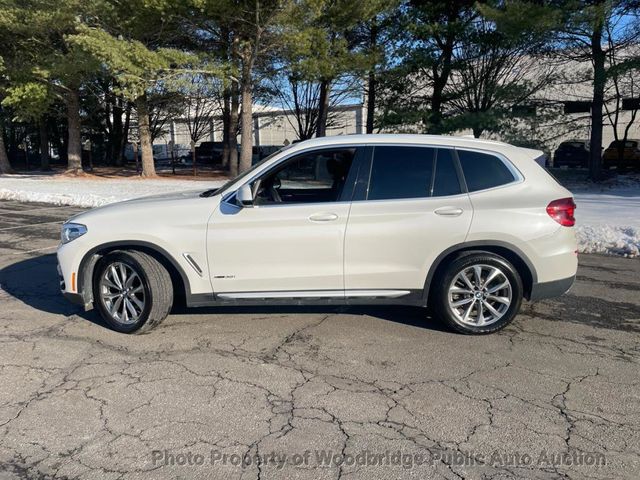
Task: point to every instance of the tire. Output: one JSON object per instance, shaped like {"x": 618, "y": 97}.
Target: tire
{"x": 144, "y": 303}
{"x": 461, "y": 305}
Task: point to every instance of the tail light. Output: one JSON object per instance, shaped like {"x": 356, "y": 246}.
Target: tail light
{"x": 562, "y": 211}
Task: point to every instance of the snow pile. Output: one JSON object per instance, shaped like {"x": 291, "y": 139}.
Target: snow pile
{"x": 90, "y": 191}
{"x": 615, "y": 240}
{"x": 608, "y": 216}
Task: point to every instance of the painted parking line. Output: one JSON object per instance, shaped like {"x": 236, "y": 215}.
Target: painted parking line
{"x": 31, "y": 210}
{"x": 30, "y": 225}
{"x": 35, "y": 250}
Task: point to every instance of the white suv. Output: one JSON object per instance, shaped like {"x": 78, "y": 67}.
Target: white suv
{"x": 468, "y": 227}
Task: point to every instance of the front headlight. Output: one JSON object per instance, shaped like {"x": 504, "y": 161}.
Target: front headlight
{"x": 71, "y": 231}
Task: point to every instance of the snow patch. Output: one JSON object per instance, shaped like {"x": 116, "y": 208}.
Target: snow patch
{"x": 90, "y": 192}
{"x": 609, "y": 239}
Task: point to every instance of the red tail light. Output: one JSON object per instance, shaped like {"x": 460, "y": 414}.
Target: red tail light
{"x": 562, "y": 211}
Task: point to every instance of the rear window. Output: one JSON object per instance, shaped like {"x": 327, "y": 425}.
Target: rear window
{"x": 483, "y": 170}
{"x": 412, "y": 172}
{"x": 620, "y": 143}
{"x": 401, "y": 172}
{"x": 572, "y": 145}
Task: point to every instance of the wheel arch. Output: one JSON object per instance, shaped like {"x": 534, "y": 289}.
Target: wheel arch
{"x": 513, "y": 254}
{"x": 179, "y": 279}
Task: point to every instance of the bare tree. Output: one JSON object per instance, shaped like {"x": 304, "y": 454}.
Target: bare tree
{"x": 623, "y": 70}
{"x": 589, "y": 32}
{"x": 493, "y": 75}
{"x": 164, "y": 106}
{"x": 303, "y": 99}
{"x": 199, "y": 105}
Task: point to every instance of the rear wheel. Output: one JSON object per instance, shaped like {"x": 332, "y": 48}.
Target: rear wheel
{"x": 478, "y": 293}
{"x": 132, "y": 290}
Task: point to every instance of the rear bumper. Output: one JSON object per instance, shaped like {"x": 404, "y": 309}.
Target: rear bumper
{"x": 551, "y": 289}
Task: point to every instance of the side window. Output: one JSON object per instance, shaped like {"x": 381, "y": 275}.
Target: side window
{"x": 313, "y": 177}
{"x": 401, "y": 172}
{"x": 445, "y": 180}
{"x": 482, "y": 170}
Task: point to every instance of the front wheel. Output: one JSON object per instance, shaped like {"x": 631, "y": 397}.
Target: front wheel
{"x": 478, "y": 293}
{"x": 132, "y": 290}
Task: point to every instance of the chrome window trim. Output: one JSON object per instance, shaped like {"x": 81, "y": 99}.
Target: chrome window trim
{"x": 518, "y": 177}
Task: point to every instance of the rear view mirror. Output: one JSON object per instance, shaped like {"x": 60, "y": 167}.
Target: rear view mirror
{"x": 245, "y": 196}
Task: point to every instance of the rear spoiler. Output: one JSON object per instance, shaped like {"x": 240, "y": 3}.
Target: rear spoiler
{"x": 537, "y": 156}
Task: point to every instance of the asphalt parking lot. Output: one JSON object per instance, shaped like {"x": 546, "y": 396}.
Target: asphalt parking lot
{"x": 312, "y": 393}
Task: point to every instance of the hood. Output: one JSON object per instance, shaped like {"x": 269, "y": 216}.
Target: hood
{"x": 144, "y": 207}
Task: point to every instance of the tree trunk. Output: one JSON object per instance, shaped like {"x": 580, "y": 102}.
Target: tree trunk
{"x": 597, "y": 106}
{"x": 226, "y": 113}
{"x": 44, "y": 146}
{"x": 144, "y": 133}
{"x": 371, "y": 100}
{"x": 74, "y": 145}
{"x": 323, "y": 110}
{"x": 5, "y": 166}
{"x": 124, "y": 140}
{"x": 234, "y": 116}
{"x": 116, "y": 131}
{"x": 373, "y": 81}
{"x": 246, "y": 123}
{"x": 441, "y": 72}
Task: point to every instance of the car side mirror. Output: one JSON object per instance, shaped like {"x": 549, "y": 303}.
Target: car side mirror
{"x": 245, "y": 196}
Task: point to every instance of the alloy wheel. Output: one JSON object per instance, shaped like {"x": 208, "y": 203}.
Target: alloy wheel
{"x": 479, "y": 295}
{"x": 122, "y": 293}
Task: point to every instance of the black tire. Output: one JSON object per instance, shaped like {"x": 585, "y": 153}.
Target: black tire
{"x": 156, "y": 285}
{"x": 440, "y": 297}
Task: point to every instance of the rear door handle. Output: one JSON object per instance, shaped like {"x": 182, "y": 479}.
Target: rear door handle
{"x": 449, "y": 211}
{"x": 323, "y": 217}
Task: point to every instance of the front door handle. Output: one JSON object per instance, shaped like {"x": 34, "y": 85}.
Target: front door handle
{"x": 323, "y": 217}
{"x": 449, "y": 211}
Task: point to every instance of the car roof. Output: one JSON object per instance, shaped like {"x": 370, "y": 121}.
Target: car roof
{"x": 448, "y": 140}
{"x": 413, "y": 139}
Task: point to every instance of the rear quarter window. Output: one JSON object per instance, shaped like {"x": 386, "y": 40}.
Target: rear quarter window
{"x": 483, "y": 170}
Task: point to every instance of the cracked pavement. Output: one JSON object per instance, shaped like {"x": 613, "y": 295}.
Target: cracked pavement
{"x": 80, "y": 401}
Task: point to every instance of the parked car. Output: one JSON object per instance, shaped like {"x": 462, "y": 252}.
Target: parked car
{"x": 263, "y": 151}
{"x": 622, "y": 154}
{"x": 209, "y": 152}
{"x": 572, "y": 153}
{"x": 129, "y": 154}
{"x": 467, "y": 227}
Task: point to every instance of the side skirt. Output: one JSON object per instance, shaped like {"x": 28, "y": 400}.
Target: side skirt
{"x": 364, "y": 297}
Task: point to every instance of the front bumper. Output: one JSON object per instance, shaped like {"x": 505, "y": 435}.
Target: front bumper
{"x": 75, "y": 298}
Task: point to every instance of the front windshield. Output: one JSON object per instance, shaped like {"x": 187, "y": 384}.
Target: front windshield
{"x": 230, "y": 182}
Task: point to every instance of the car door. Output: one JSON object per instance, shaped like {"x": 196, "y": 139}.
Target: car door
{"x": 290, "y": 243}
{"x": 412, "y": 208}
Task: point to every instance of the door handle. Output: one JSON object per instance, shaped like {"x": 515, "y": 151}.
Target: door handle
{"x": 449, "y": 211}
{"x": 323, "y": 217}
